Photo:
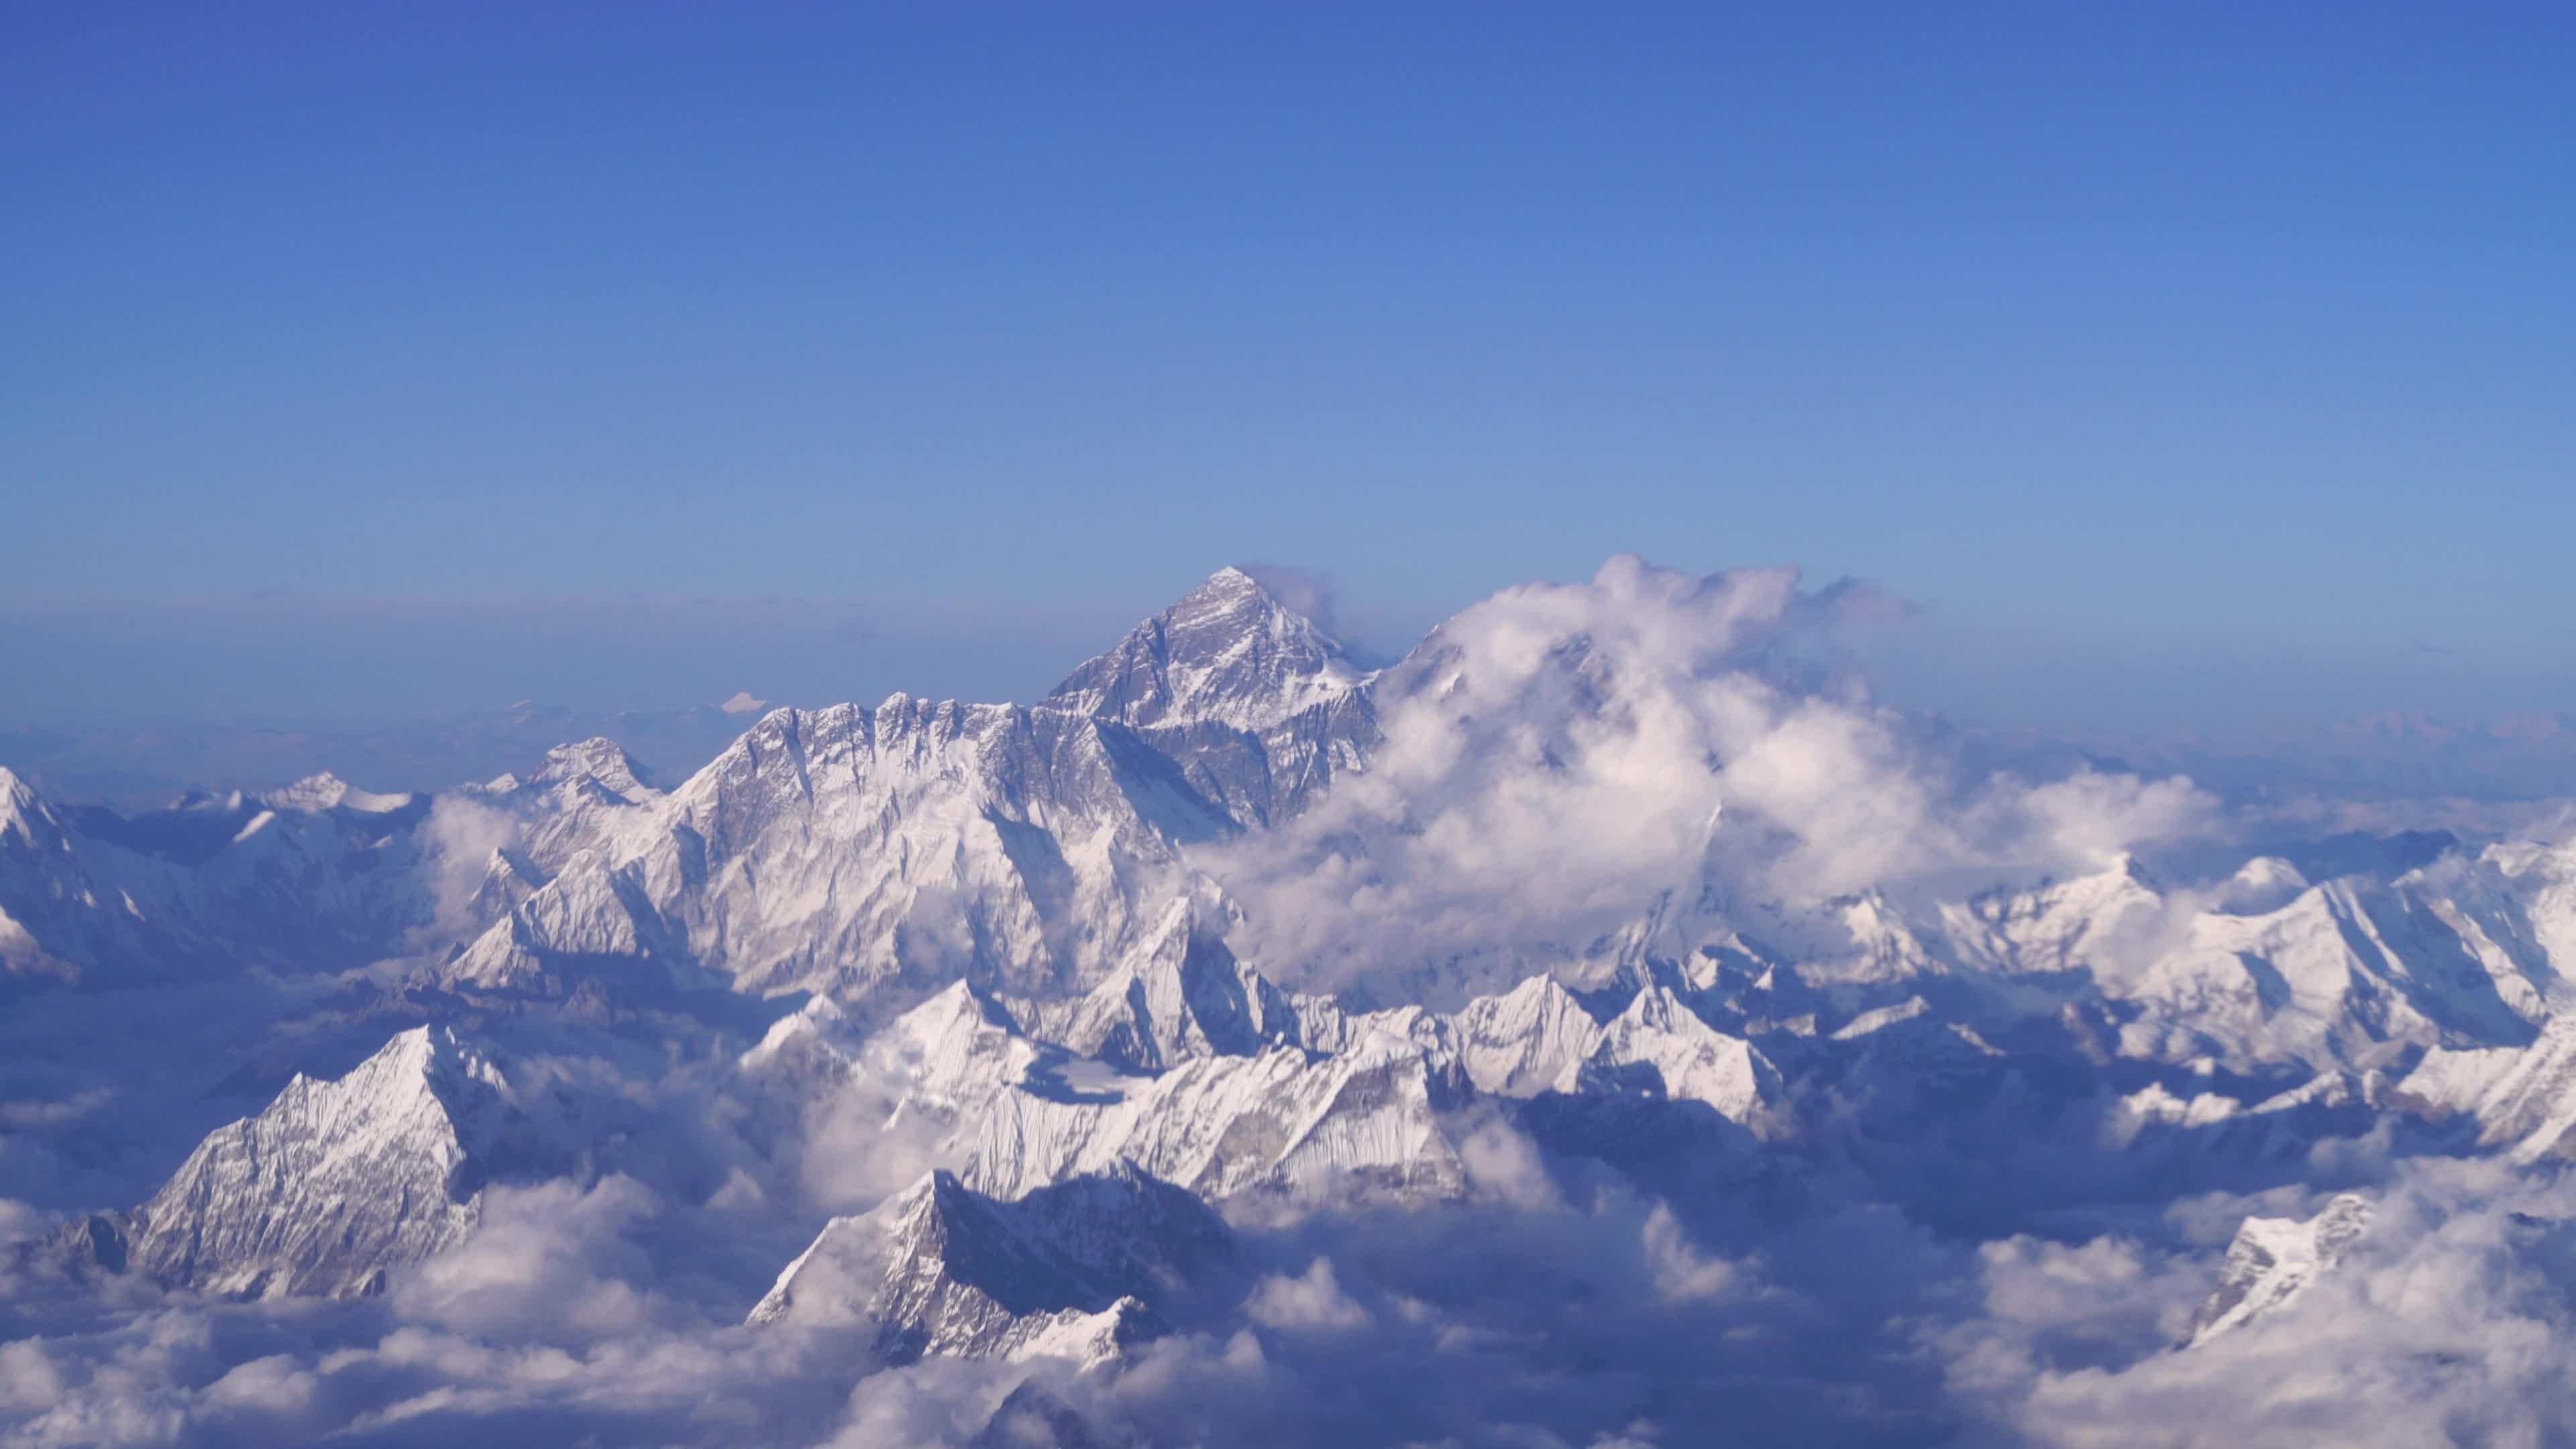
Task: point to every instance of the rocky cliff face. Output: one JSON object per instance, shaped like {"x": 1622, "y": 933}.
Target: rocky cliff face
{"x": 1067, "y": 1270}
{"x": 1036, "y": 980}
{"x": 2274, "y": 1260}
{"x": 1030, "y": 850}
{"x": 339, "y": 1183}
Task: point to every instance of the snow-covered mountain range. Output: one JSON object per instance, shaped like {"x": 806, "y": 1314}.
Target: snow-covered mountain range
{"x": 1048, "y": 1029}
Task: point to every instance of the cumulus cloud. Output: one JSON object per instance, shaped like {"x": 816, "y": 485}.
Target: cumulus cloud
{"x": 20, "y": 1116}
{"x": 856, "y": 1148}
{"x": 1572, "y": 1320}
{"x": 559, "y": 1319}
{"x": 937, "y": 1402}
{"x": 20, "y": 1220}
{"x": 1504, "y": 1164}
{"x": 547, "y": 1260}
{"x": 1303, "y": 590}
{"x": 1311, "y": 1300}
{"x": 1679, "y": 1269}
{"x": 2449, "y": 1321}
{"x": 1596, "y": 1314}
{"x": 1559, "y": 764}
{"x": 1558, "y": 760}
{"x": 458, "y": 840}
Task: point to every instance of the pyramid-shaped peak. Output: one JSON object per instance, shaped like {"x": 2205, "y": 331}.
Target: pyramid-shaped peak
{"x": 939, "y": 1187}
{"x": 598, "y": 758}
{"x": 339, "y": 1181}
{"x": 1180, "y": 995}
{"x": 21, "y": 808}
{"x": 2273, "y": 1261}
{"x": 957, "y": 1004}
{"x": 941, "y": 1269}
{"x": 1231, "y": 593}
{"x": 1230, "y": 651}
{"x": 431, "y": 1059}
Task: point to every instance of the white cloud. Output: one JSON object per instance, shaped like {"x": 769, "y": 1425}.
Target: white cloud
{"x": 1503, "y": 1163}
{"x": 1312, "y": 1300}
{"x": 856, "y": 1150}
{"x": 1679, "y": 1270}
{"x": 2449, "y": 1322}
{"x": 20, "y": 1220}
{"x": 29, "y": 1378}
{"x": 548, "y": 1259}
{"x": 1558, "y": 759}
{"x": 275, "y": 1384}
{"x": 458, "y": 839}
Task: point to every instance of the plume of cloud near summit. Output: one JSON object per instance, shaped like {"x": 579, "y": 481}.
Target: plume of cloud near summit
{"x": 1372, "y": 634}
{"x": 1560, "y": 758}
{"x": 1309, "y": 593}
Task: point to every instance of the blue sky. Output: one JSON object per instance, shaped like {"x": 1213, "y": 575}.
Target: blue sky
{"x": 2139, "y": 341}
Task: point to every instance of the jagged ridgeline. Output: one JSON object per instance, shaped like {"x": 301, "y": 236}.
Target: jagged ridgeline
{"x": 1024, "y": 848}
{"x": 1228, "y": 935}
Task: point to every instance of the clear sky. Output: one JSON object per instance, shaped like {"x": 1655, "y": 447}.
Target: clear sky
{"x": 2220, "y": 331}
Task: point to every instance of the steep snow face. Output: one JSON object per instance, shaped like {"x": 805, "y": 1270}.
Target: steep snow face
{"x": 523, "y": 831}
{"x": 2511, "y": 908}
{"x": 1524, "y": 1041}
{"x": 2326, "y": 976}
{"x": 939, "y": 1064}
{"x": 1516, "y": 1044}
{"x": 337, "y": 1183}
{"x": 1070, "y": 1270}
{"x": 296, "y": 886}
{"x": 1038, "y": 852}
{"x": 1538, "y": 1038}
{"x": 67, "y": 906}
{"x": 1365, "y": 1122}
{"x": 2273, "y": 1260}
{"x": 1228, "y": 653}
{"x": 2522, "y": 1099}
{"x": 842, "y": 849}
{"x": 953, "y": 1052}
{"x": 2542, "y": 881}
{"x": 315, "y": 876}
{"x": 1028, "y": 850}
{"x": 1660, "y": 1048}
{"x": 1180, "y": 995}
{"x": 581, "y": 794}
{"x": 1255, "y": 705}
{"x": 1358, "y": 1107}
{"x": 326, "y": 791}
{"x": 919, "y": 1085}
{"x": 2085, "y": 923}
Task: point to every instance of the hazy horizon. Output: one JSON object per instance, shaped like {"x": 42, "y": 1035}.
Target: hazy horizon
{"x": 1981, "y": 849}
{"x": 2198, "y": 369}
{"x": 284, "y": 659}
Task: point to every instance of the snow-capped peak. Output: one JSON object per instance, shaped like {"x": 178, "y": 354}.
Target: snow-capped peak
{"x": 1663, "y": 1048}
{"x": 326, "y": 791}
{"x": 1181, "y": 994}
{"x": 1229, "y": 651}
{"x": 600, "y": 760}
{"x": 337, "y": 1182}
{"x": 22, "y": 810}
{"x": 1066, "y": 1271}
{"x": 2273, "y": 1260}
